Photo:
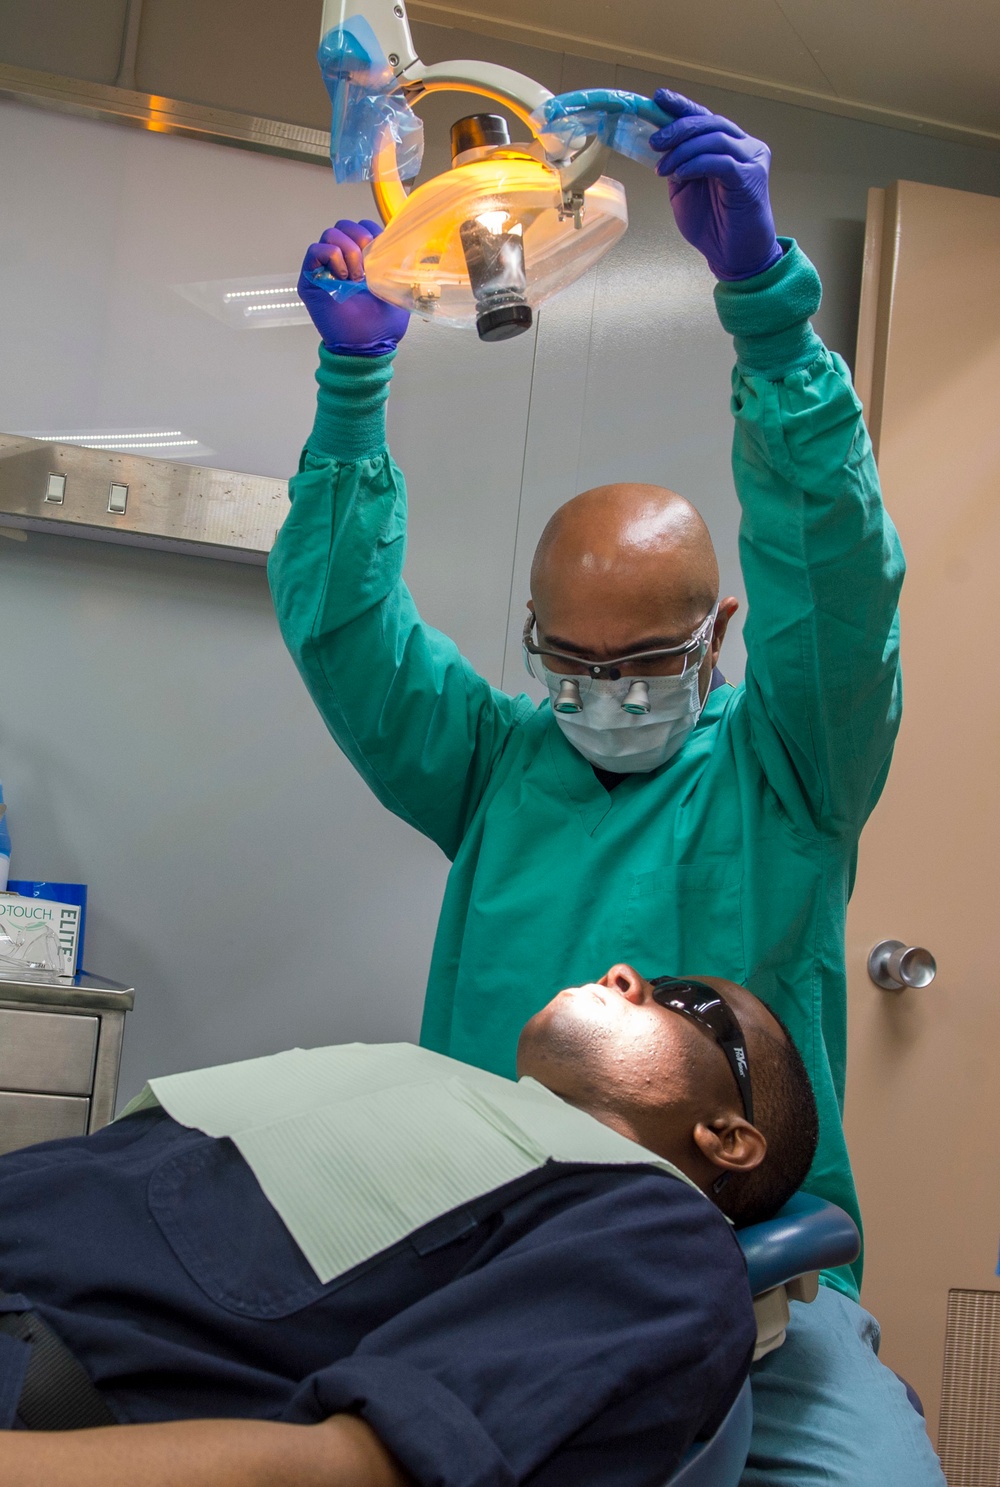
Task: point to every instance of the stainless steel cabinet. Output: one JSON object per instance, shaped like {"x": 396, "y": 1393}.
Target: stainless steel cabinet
{"x": 60, "y": 1048}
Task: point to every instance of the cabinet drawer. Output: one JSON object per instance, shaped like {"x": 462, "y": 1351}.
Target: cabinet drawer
{"x": 25, "y": 1119}
{"x": 47, "y": 1052}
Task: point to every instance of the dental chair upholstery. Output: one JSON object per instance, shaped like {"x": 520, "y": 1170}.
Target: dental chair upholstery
{"x": 784, "y": 1256}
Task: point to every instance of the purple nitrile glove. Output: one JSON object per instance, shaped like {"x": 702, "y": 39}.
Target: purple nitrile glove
{"x": 718, "y": 187}
{"x": 351, "y": 320}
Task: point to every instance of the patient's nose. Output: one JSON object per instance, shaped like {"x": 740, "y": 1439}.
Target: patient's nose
{"x": 625, "y": 979}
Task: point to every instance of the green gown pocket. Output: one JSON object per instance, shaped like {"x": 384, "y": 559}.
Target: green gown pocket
{"x": 685, "y": 920}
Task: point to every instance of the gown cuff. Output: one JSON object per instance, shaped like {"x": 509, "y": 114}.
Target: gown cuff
{"x": 350, "y": 406}
{"x": 430, "y": 1431}
{"x": 768, "y": 315}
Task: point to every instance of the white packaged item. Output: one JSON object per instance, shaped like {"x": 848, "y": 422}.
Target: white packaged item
{"x": 37, "y": 934}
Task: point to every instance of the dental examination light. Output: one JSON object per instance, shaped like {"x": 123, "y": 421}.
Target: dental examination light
{"x": 510, "y": 224}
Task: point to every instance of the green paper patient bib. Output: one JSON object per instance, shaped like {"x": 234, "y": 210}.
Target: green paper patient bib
{"x": 358, "y": 1145}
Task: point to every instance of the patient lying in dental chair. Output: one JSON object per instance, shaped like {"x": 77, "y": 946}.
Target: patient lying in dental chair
{"x": 373, "y": 1266}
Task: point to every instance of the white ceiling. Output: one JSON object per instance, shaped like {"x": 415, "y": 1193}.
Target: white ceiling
{"x": 928, "y": 65}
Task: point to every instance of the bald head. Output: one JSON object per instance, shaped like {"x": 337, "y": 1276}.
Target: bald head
{"x": 636, "y": 558}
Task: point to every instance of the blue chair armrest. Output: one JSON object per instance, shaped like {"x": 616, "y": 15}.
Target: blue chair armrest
{"x": 719, "y": 1462}
{"x": 808, "y": 1234}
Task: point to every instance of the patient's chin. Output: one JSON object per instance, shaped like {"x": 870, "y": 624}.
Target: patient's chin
{"x": 563, "y": 1045}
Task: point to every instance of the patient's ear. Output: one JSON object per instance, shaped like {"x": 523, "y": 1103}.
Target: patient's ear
{"x": 730, "y": 1143}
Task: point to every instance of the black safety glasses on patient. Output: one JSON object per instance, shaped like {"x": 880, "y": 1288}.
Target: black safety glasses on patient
{"x": 709, "y": 1010}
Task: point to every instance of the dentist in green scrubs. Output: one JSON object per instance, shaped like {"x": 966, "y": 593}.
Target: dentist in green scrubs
{"x": 646, "y": 811}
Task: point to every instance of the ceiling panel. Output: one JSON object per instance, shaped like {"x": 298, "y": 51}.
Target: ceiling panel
{"x": 913, "y": 64}
{"x": 756, "y": 36}
{"x": 914, "y": 55}
{"x": 64, "y": 36}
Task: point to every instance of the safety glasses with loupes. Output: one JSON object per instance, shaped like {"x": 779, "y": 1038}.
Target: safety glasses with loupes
{"x": 588, "y": 669}
{"x": 695, "y": 1000}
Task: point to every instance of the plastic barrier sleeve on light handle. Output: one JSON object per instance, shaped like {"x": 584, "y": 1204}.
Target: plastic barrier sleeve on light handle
{"x": 622, "y": 121}
{"x": 366, "y": 101}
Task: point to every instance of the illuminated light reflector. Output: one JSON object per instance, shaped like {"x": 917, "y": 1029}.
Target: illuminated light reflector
{"x": 263, "y": 303}
{"x": 421, "y": 263}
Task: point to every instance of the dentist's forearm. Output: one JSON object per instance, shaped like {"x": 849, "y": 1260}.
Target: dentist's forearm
{"x": 339, "y": 1452}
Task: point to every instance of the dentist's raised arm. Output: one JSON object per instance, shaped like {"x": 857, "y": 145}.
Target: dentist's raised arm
{"x": 820, "y": 556}
{"x": 419, "y": 724}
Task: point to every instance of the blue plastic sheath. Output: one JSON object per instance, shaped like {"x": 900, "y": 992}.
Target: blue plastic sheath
{"x": 808, "y": 1234}
{"x": 336, "y": 288}
{"x": 624, "y": 121}
{"x": 365, "y": 101}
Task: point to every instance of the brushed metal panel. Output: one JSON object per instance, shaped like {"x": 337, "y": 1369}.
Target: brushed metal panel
{"x": 184, "y": 508}
{"x": 164, "y": 115}
{"x": 26, "y": 1119}
{"x": 47, "y": 1052}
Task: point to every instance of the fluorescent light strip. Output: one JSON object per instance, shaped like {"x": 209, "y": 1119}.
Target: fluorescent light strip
{"x": 256, "y": 293}
{"x": 148, "y": 434}
{"x": 295, "y": 304}
{"x": 109, "y": 441}
{"x": 137, "y": 443}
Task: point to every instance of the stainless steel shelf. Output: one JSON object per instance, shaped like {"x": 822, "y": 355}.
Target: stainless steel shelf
{"x": 108, "y": 497}
{"x": 82, "y": 992}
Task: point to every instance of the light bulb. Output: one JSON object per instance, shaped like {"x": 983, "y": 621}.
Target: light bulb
{"x": 495, "y": 260}
{"x": 492, "y": 241}
{"x": 495, "y": 222}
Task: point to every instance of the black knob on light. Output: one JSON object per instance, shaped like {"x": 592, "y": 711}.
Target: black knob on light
{"x": 477, "y": 131}
{"x": 504, "y": 322}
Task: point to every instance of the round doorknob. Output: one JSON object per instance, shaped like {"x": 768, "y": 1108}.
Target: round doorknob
{"x": 895, "y": 966}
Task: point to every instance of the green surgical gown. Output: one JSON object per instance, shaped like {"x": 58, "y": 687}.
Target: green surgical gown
{"x": 736, "y": 857}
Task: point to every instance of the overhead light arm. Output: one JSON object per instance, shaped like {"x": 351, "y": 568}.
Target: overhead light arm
{"x": 387, "y": 19}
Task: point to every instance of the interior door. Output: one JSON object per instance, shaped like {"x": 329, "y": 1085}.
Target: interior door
{"x": 923, "y": 1086}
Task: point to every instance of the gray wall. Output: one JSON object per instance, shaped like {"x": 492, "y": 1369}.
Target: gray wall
{"x": 155, "y": 740}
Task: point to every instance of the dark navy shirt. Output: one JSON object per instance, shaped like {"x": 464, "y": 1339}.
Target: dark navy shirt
{"x": 583, "y": 1324}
